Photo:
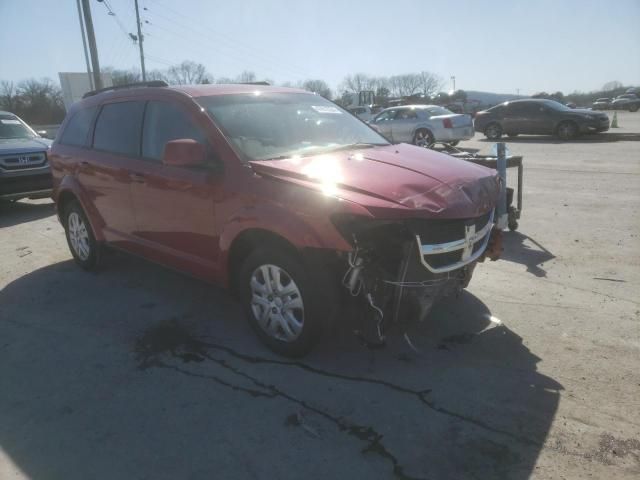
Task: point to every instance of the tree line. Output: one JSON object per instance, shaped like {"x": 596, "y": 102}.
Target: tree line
{"x": 40, "y": 102}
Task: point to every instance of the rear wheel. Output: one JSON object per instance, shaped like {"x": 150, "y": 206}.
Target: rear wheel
{"x": 454, "y": 143}
{"x": 634, "y": 108}
{"x": 282, "y": 301}
{"x": 423, "y": 138}
{"x": 567, "y": 131}
{"x": 80, "y": 238}
{"x": 493, "y": 131}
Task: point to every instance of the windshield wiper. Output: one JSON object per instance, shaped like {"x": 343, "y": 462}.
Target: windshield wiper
{"x": 355, "y": 146}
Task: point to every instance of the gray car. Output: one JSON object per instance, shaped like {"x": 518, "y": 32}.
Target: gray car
{"x": 24, "y": 168}
{"x": 423, "y": 125}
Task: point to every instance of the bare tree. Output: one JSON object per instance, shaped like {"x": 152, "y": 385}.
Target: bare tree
{"x": 9, "y": 99}
{"x": 40, "y": 101}
{"x": 318, "y": 86}
{"x": 188, "y": 73}
{"x": 430, "y": 83}
{"x": 122, "y": 77}
{"x": 358, "y": 82}
{"x": 613, "y": 85}
{"x": 405, "y": 85}
{"x": 246, "y": 77}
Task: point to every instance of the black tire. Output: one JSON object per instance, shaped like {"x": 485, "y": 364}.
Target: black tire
{"x": 315, "y": 314}
{"x": 493, "y": 131}
{"x": 423, "y": 138}
{"x": 454, "y": 143}
{"x": 567, "y": 130}
{"x": 87, "y": 260}
{"x": 634, "y": 108}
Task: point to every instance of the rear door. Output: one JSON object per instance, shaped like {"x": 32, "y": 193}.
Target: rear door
{"x": 174, "y": 206}
{"x": 104, "y": 174}
{"x": 514, "y": 120}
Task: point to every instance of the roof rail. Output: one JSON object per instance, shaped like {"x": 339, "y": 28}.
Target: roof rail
{"x": 152, "y": 83}
{"x": 255, "y": 83}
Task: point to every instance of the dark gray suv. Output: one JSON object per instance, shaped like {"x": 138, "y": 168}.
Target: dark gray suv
{"x": 24, "y": 167}
{"x": 539, "y": 117}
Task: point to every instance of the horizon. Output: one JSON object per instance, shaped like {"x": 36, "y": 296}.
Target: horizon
{"x": 330, "y": 42}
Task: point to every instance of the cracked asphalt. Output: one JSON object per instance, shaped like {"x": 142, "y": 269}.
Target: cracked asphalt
{"x": 138, "y": 372}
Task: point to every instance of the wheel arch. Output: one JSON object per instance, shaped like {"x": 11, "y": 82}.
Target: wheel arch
{"x": 68, "y": 191}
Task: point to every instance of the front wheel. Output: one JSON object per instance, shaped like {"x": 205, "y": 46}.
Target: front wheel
{"x": 282, "y": 301}
{"x": 493, "y": 131}
{"x": 80, "y": 238}
{"x": 634, "y": 108}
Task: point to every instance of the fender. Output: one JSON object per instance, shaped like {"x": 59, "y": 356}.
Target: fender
{"x": 70, "y": 184}
{"x": 309, "y": 232}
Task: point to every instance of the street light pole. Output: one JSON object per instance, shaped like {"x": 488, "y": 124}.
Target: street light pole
{"x": 144, "y": 73}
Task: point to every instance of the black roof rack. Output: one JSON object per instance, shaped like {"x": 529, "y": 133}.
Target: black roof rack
{"x": 255, "y": 83}
{"x": 152, "y": 83}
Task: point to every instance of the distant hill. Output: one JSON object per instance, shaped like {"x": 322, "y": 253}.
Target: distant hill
{"x": 488, "y": 98}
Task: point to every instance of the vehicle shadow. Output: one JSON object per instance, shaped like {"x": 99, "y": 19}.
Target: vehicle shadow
{"x": 532, "y": 256}
{"x": 604, "y": 137}
{"x": 14, "y": 213}
{"x": 138, "y": 372}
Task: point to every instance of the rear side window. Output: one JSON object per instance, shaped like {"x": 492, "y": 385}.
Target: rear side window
{"x": 164, "y": 122}
{"x": 78, "y": 127}
{"x": 118, "y": 128}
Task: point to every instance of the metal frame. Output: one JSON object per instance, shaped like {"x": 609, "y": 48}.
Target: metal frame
{"x": 471, "y": 237}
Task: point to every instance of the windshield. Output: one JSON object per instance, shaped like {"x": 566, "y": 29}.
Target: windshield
{"x": 12, "y": 127}
{"x": 279, "y": 125}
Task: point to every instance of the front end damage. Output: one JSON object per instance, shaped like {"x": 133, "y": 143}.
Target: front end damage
{"x": 398, "y": 269}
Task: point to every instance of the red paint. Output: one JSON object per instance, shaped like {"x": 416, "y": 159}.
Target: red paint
{"x": 187, "y": 217}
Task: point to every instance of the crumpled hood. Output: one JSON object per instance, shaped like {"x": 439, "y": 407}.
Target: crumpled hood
{"x": 23, "y": 145}
{"x": 398, "y": 179}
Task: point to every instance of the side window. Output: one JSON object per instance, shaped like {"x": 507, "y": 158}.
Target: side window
{"x": 520, "y": 108}
{"x": 164, "y": 122}
{"x": 118, "y": 128}
{"x": 78, "y": 127}
{"x": 386, "y": 115}
{"x": 406, "y": 114}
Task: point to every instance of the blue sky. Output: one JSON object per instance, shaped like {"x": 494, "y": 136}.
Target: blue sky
{"x": 499, "y": 46}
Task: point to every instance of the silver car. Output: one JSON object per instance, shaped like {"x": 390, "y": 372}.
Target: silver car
{"x": 423, "y": 125}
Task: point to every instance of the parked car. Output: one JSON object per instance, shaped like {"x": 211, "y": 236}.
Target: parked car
{"x": 423, "y": 125}
{"x": 602, "y": 104}
{"x": 365, "y": 112}
{"x": 539, "y": 117}
{"x": 628, "y": 101}
{"x": 24, "y": 168}
{"x": 276, "y": 193}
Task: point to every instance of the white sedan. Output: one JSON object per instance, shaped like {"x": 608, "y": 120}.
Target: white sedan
{"x": 423, "y": 125}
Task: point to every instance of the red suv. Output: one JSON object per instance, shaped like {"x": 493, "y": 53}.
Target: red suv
{"x": 277, "y": 193}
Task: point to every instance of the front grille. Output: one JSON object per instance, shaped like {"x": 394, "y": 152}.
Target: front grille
{"x": 22, "y": 161}
{"x": 25, "y": 183}
{"x": 444, "y": 246}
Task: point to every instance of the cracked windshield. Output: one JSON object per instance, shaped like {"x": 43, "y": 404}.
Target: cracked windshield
{"x": 319, "y": 240}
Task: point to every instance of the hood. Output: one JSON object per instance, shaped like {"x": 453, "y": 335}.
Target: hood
{"x": 23, "y": 145}
{"x": 398, "y": 180}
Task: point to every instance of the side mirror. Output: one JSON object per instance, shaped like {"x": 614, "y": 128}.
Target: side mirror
{"x": 184, "y": 152}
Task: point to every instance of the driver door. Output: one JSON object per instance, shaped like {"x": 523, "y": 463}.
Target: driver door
{"x": 175, "y": 206}
{"x": 383, "y": 123}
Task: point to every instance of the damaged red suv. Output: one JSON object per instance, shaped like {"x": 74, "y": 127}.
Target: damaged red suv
{"x": 299, "y": 207}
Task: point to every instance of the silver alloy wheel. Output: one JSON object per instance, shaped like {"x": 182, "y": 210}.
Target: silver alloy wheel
{"x": 276, "y": 303}
{"x": 78, "y": 236}
{"x": 423, "y": 139}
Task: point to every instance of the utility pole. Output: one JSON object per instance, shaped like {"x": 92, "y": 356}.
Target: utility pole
{"x": 97, "y": 80}
{"x": 453, "y": 79}
{"x": 84, "y": 46}
{"x": 144, "y": 73}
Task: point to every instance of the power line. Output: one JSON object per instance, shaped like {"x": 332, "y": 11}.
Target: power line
{"x": 233, "y": 44}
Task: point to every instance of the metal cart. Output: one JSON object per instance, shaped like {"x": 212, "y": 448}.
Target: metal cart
{"x": 513, "y": 212}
